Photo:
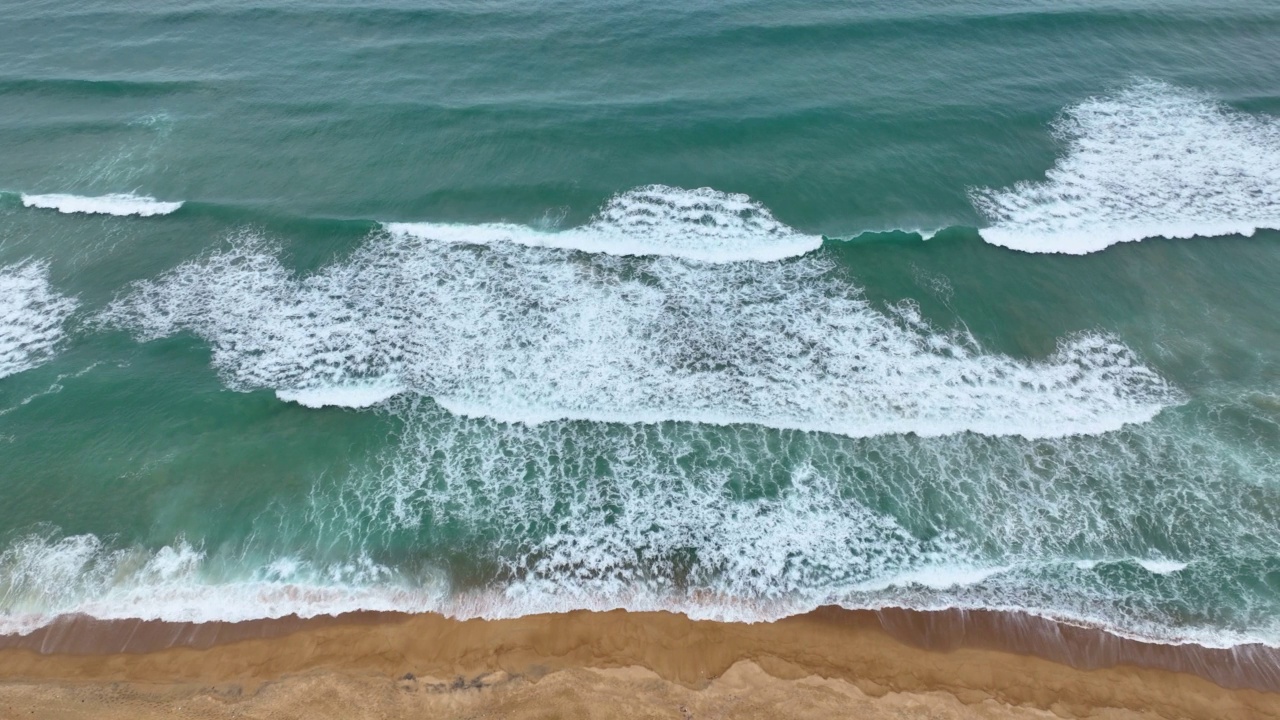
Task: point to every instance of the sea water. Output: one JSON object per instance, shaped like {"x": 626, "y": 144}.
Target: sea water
{"x": 735, "y": 309}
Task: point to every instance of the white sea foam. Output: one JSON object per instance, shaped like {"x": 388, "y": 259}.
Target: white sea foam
{"x": 749, "y": 523}
{"x": 32, "y": 316}
{"x": 1162, "y": 567}
{"x": 1149, "y": 161}
{"x": 42, "y": 578}
{"x": 936, "y": 577}
{"x": 54, "y": 388}
{"x": 714, "y": 523}
{"x": 351, "y": 396}
{"x": 704, "y": 224}
{"x": 532, "y": 335}
{"x": 1154, "y": 566}
{"x": 120, "y": 204}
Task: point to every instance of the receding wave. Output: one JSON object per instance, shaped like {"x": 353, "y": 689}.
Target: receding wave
{"x": 530, "y": 334}
{"x": 476, "y": 518}
{"x": 119, "y": 204}
{"x": 703, "y": 224}
{"x": 42, "y": 577}
{"x": 32, "y": 315}
{"x": 1152, "y": 160}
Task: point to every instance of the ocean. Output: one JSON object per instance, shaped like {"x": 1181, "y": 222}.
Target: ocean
{"x": 735, "y": 309}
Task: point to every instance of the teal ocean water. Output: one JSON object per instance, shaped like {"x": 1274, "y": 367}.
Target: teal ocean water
{"x": 735, "y": 309}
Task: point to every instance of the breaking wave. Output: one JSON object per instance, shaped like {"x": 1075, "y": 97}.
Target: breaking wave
{"x": 118, "y": 204}
{"x": 532, "y": 335}
{"x": 703, "y": 224}
{"x": 1152, "y": 160}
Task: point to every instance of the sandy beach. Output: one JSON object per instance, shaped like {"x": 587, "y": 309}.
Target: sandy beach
{"x": 829, "y": 663}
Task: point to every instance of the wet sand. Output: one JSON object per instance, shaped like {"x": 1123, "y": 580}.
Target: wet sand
{"x": 829, "y": 663}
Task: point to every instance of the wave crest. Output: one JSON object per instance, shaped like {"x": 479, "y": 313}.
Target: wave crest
{"x": 703, "y": 224}
{"x": 118, "y": 204}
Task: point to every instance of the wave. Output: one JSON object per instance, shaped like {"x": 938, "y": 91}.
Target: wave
{"x": 351, "y": 396}
{"x": 757, "y": 523}
{"x": 32, "y": 316}
{"x": 476, "y": 518}
{"x": 703, "y": 224}
{"x": 43, "y": 578}
{"x": 1152, "y": 160}
{"x": 118, "y": 204}
{"x": 530, "y": 335}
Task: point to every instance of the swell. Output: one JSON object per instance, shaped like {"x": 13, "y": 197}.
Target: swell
{"x": 370, "y": 17}
{"x": 1148, "y": 160}
{"x": 97, "y": 87}
{"x": 550, "y": 234}
{"x": 821, "y": 27}
{"x": 945, "y": 27}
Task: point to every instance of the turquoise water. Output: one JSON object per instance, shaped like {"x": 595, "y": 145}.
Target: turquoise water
{"x": 734, "y": 309}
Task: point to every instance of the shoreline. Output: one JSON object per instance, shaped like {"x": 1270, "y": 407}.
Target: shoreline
{"x": 976, "y": 657}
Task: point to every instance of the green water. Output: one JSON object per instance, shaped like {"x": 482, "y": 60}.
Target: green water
{"x": 734, "y": 308}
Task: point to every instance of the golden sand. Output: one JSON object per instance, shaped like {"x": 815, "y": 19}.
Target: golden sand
{"x": 594, "y": 665}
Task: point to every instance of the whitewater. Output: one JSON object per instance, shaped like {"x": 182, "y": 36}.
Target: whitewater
{"x": 1152, "y": 160}
{"x": 32, "y": 316}
{"x": 529, "y": 334}
{"x": 559, "y": 540}
{"x": 117, "y": 204}
{"x": 702, "y": 224}
{"x": 1149, "y": 160}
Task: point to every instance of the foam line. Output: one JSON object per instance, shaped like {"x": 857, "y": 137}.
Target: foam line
{"x": 50, "y": 578}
